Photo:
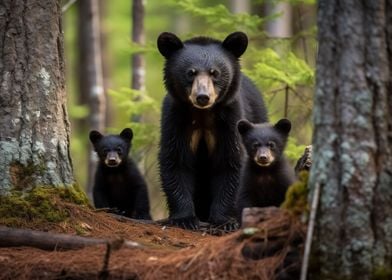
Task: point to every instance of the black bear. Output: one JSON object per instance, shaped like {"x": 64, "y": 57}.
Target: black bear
{"x": 200, "y": 152}
{"x": 266, "y": 174}
{"x": 118, "y": 183}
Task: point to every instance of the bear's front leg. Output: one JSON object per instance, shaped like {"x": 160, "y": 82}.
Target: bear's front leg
{"x": 177, "y": 178}
{"x": 100, "y": 195}
{"x": 178, "y": 187}
{"x": 176, "y": 164}
{"x": 226, "y": 168}
{"x": 142, "y": 205}
{"x": 224, "y": 185}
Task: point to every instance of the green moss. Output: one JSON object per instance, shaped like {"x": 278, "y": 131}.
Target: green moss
{"x": 41, "y": 204}
{"x": 296, "y": 199}
{"x": 382, "y": 273}
{"x": 74, "y": 194}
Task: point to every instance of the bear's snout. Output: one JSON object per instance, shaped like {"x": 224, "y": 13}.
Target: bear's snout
{"x": 112, "y": 159}
{"x": 202, "y": 99}
{"x": 203, "y": 93}
{"x": 264, "y": 157}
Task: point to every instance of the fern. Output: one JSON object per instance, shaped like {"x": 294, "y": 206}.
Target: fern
{"x": 272, "y": 71}
{"x": 219, "y": 17}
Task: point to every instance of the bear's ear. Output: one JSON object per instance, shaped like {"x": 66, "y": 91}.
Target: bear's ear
{"x": 283, "y": 126}
{"x": 95, "y": 136}
{"x": 236, "y": 43}
{"x": 244, "y": 126}
{"x": 127, "y": 134}
{"x": 168, "y": 43}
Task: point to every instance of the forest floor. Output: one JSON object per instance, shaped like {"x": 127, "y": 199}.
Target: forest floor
{"x": 270, "y": 250}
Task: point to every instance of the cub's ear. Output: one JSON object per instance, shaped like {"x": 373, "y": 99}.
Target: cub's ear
{"x": 95, "y": 136}
{"x": 283, "y": 126}
{"x": 244, "y": 126}
{"x": 236, "y": 43}
{"x": 127, "y": 134}
{"x": 168, "y": 43}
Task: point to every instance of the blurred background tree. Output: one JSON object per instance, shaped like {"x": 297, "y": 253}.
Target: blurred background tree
{"x": 280, "y": 60}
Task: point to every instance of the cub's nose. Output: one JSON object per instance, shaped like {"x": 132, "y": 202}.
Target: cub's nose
{"x": 202, "y": 99}
{"x": 263, "y": 158}
{"x": 112, "y": 161}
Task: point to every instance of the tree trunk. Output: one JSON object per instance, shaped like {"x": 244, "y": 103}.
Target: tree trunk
{"x": 91, "y": 81}
{"x": 138, "y": 63}
{"x": 280, "y": 27}
{"x": 34, "y": 137}
{"x": 353, "y": 140}
{"x": 239, "y": 6}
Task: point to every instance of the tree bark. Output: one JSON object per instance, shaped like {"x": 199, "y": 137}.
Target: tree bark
{"x": 280, "y": 27}
{"x": 34, "y": 125}
{"x": 91, "y": 82}
{"x": 353, "y": 140}
{"x": 239, "y": 6}
{"x": 138, "y": 63}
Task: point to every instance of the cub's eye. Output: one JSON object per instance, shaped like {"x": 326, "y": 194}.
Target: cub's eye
{"x": 191, "y": 73}
{"x": 214, "y": 73}
{"x": 255, "y": 145}
{"x": 271, "y": 145}
{"x": 105, "y": 150}
{"x": 119, "y": 150}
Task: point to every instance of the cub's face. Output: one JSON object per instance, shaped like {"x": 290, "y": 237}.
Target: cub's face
{"x": 264, "y": 143}
{"x": 201, "y": 70}
{"x": 112, "y": 150}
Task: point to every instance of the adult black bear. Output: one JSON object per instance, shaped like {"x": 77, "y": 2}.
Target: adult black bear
{"x": 266, "y": 174}
{"x": 118, "y": 182}
{"x": 200, "y": 152}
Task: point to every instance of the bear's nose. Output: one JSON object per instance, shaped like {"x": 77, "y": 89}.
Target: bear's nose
{"x": 112, "y": 161}
{"x": 263, "y": 158}
{"x": 202, "y": 99}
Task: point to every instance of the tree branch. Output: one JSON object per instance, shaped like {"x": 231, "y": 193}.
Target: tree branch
{"x": 11, "y": 237}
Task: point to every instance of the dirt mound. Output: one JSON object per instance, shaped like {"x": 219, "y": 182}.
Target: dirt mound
{"x": 270, "y": 250}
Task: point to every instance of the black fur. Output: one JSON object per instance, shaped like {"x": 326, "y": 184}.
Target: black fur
{"x": 118, "y": 182}
{"x": 263, "y": 186}
{"x": 202, "y": 185}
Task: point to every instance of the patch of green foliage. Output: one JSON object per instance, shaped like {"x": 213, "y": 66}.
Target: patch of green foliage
{"x": 293, "y": 150}
{"x": 41, "y": 204}
{"x": 220, "y": 18}
{"x": 134, "y": 103}
{"x": 272, "y": 70}
{"x": 296, "y": 200}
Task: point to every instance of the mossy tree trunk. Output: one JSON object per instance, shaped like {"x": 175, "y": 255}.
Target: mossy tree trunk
{"x": 352, "y": 143}
{"x": 34, "y": 126}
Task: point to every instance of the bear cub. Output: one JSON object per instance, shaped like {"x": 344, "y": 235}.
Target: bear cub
{"x": 266, "y": 174}
{"x": 118, "y": 183}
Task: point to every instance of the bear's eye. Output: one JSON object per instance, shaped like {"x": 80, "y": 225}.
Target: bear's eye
{"x": 119, "y": 150}
{"x": 271, "y": 145}
{"x": 105, "y": 150}
{"x": 214, "y": 73}
{"x": 191, "y": 73}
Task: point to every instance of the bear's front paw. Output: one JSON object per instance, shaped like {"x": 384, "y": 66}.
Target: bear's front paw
{"x": 225, "y": 224}
{"x": 190, "y": 222}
